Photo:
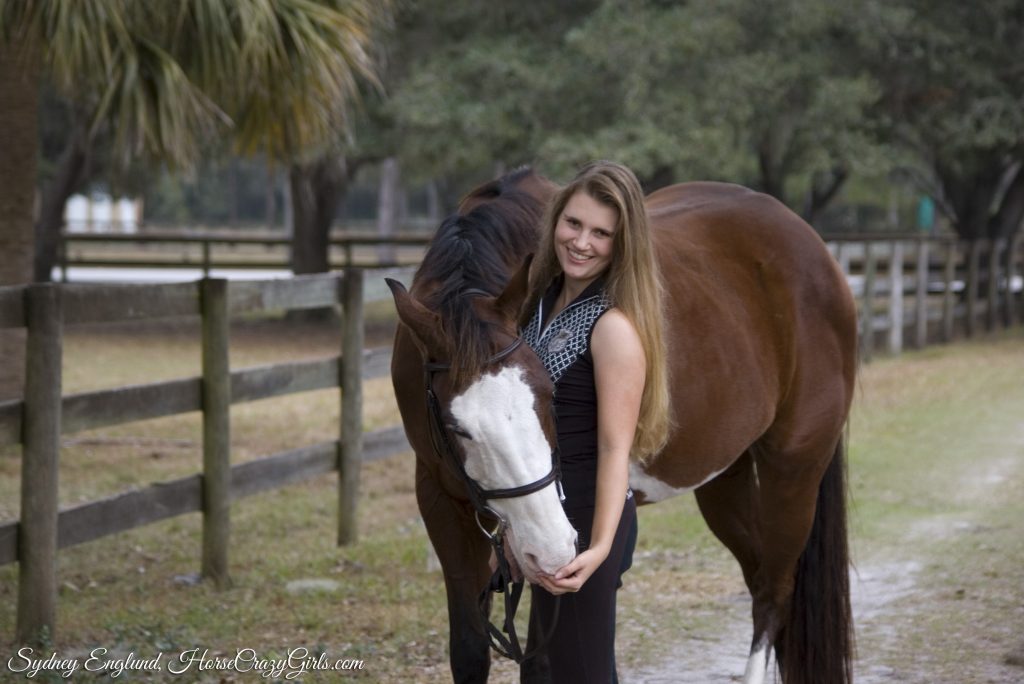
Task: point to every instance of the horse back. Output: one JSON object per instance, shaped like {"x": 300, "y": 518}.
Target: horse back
{"x": 755, "y": 308}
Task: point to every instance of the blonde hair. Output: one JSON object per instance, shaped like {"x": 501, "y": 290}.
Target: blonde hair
{"x": 633, "y": 283}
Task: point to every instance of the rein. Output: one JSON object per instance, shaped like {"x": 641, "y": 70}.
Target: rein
{"x": 501, "y": 581}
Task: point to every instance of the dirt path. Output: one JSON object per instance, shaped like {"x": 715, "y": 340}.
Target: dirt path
{"x": 938, "y": 594}
{"x": 947, "y": 603}
{"x": 914, "y": 625}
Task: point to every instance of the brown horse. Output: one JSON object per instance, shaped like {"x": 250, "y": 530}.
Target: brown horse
{"x": 762, "y": 347}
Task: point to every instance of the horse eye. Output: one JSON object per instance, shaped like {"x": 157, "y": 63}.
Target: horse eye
{"x": 457, "y": 429}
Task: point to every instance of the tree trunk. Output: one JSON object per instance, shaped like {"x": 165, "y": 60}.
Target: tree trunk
{"x": 1008, "y": 219}
{"x": 971, "y": 196}
{"x": 269, "y": 201}
{"x": 449, "y": 194}
{"x": 286, "y": 203}
{"x": 434, "y": 208}
{"x": 316, "y": 190}
{"x": 824, "y": 187}
{"x": 71, "y": 171}
{"x": 387, "y": 205}
{"x": 19, "y": 111}
{"x": 772, "y": 157}
{"x": 232, "y": 172}
{"x": 772, "y": 181}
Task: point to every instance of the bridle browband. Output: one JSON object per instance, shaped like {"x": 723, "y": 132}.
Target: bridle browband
{"x": 501, "y": 581}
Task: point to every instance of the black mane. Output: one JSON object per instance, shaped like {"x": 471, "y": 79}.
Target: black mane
{"x": 478, "y": 250}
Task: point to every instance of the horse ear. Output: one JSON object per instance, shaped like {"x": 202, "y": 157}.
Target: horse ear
{"x": 510, "y": 301}
{"x": 424, "y": 323}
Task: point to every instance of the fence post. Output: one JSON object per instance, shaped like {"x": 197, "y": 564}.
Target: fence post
{"x": 843, "y": 257}
{"x": 868, "y": 321}
{"x": 973, "y": 259}
{"x": 896, "y": 298}
{"x": 62, "y": 252}
{"x": 948, "y": 298}
{"x": 350, "y": 458}
{"x": 216, "y": 394}
{"x": 992, "y": 312}
{"x": 921, "y": 302}
{"x": 206, "y": 258}
{"x": 1011, "y": 272}
{"x": 37, "y": 533}
{"x": 348, "y": 254}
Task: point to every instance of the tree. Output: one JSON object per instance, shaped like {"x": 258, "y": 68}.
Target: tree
{"x": 770, "y": 95}
{"x": 953, "y": 92}
{"x": 303, "y": 119}
{"x": 19, "y": 64}
{"x": 767, "y": 94}
{"x": 475, "y": 86}
{"x": 163, "y": 78}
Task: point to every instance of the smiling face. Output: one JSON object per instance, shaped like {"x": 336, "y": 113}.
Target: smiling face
{"x": 585, "y": 238}
{"x": 505, "y": 447}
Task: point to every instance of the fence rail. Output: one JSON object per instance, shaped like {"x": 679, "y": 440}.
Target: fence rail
{"x": 210, "y": 250}
{"x": 38, "y": 421}
{"x": 911, "y": 288}
{"x": 921, "y": 290}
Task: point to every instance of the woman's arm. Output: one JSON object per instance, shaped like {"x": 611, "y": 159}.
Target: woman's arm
{"x": 619, "y": 376}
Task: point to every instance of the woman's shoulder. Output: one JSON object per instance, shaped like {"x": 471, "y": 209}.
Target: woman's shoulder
{"x": 615, "y": 335}
{"x": 617, "y": 351}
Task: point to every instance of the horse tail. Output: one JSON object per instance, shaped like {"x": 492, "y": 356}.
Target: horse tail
{"x": 817, "y": 644}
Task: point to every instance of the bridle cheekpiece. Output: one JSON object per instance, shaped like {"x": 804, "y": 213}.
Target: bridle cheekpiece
{"x": 444, "y": 446}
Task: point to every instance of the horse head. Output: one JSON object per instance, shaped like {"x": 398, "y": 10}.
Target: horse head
{"x": 492, "y": 421}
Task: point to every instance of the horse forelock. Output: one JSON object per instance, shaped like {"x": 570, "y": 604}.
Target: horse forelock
{"x": 477, "y": 250}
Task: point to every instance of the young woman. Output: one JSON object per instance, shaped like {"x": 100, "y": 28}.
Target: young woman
{"x": 595, "y": 322}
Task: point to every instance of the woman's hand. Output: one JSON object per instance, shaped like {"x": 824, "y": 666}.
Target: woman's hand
{"x": 570, "y": 578}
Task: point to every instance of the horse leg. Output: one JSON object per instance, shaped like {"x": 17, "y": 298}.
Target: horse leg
{"x": 801, "y": 605}
{"x": 463, "y": 552}
{"x": 729, "y": 504}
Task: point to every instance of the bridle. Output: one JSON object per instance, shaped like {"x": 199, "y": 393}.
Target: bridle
{"x": 444, "y": 446}
{"x": 501, "y": 581}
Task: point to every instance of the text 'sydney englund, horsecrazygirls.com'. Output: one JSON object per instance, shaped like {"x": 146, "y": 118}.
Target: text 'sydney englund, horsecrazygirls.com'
{"x": 295, "y": 663}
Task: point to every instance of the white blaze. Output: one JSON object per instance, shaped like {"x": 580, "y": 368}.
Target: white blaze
{"x": 507, "y": 448}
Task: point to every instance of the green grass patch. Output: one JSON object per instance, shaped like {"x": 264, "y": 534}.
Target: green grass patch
{"x": 928, "y": 433}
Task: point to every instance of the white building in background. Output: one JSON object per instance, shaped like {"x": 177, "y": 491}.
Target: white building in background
{"x": 100, "y": 213}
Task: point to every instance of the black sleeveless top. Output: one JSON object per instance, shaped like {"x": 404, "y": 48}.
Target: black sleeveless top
{"x": 563, "y": 345}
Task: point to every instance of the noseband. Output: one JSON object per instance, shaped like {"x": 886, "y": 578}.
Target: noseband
{"x": 501, "y": 582}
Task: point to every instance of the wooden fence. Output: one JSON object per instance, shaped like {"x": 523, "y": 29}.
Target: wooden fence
{"x": 44, "y": 415}
{"x": 923, "y": 290}
{"x": 911, "y": 289}
{"x": 228, "y": 249}
{"x": 929, "y": 289}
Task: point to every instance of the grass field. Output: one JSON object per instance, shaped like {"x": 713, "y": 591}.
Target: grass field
{"x": 937, "y": 444}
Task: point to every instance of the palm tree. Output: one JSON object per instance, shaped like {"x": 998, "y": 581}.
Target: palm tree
{"x": 277, "y": 75}
{"x": 19, "y": 68}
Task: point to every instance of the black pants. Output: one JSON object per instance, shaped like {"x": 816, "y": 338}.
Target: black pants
{"x": 582, "y": 646}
